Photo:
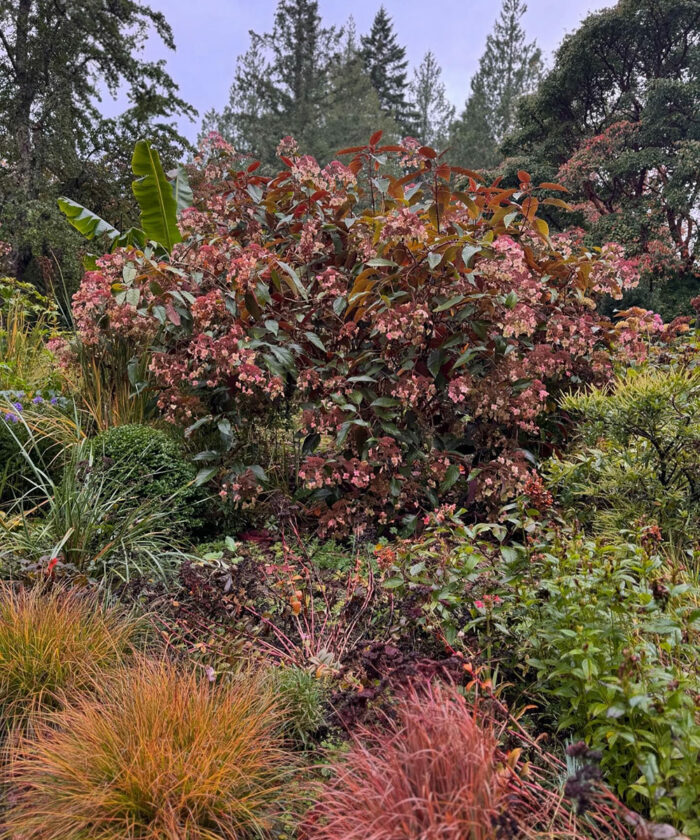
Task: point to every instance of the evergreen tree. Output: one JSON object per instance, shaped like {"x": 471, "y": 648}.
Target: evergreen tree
{"x": 280, "y": 83}
{"x": 509, "y": 68}
{"x": 351, "y": 112}
{"x": 434, "y": 113}
{"x": 385, "y": 61}
{"x": 54, "y": 59}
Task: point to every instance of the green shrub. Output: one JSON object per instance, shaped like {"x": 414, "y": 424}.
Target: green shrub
{"x": 52, "y": 642}
{"x": 638, "y": 454}
{"x": 27, "y": 319}
{"x": 302, "y": 696}
{"x": 153, "y": 467}
{"x": 612, "y": 641}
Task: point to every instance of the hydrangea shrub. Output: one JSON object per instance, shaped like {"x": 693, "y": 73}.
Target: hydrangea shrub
{"x": 413, "y": 324}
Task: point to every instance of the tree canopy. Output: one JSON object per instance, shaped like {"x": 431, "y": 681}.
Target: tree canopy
{"x": 616, "y": 120}
{"x": 57, "y": 60}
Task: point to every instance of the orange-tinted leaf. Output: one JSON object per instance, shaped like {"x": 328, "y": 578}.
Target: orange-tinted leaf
{"x": 557, "y": 202}
{"x": 530, "y": 206}
{"x": 375, "y": 138}
{"x": 524, "y": 176}
{"x": 548, "y": 185}
{"x": 426, "y": 151}
{"x": 253, "y": 166}
{"x": 355, "y": 165}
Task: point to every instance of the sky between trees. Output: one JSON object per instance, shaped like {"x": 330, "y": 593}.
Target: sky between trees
{"x": 210, "y": 34}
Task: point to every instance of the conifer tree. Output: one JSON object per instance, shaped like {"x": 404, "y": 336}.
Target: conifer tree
{"x": 351, "y": 111}
{"x": 280, "y": 83}
{"x": 509, "y": 68}
{"x": 434, "y": 112}
{"x": 385, "y": 61}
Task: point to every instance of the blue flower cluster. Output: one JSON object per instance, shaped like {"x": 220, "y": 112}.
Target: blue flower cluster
{"x": 17, "y": 405}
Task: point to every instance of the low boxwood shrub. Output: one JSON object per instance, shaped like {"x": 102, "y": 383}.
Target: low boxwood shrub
{"x": 153, "y": 466}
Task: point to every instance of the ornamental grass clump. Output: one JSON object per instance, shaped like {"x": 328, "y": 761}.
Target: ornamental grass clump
{"x": 158, "y": 753}
{"x": 432, "y": 775}
{"x": 54, "y": 643}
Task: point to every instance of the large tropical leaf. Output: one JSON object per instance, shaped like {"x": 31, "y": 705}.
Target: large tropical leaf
{"x": 155, "y": 197}
{"x": 182, "y": 191}
{"x": 85, "y": 221}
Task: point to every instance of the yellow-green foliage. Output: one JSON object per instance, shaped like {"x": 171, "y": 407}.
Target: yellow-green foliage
{"x": 52, "y": 643}
{"x": 26, "y": 319}
{"x": 638, "y": 453}
{"x": 159, "y": 753}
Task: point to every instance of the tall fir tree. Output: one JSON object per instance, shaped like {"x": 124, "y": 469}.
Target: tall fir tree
{"x": 385, "y": 61}
{"x": 280, "y": 83}
{"x": 428, "y": 97}
{"x": 508, "y": 69}
{"x": 351, "y": 109}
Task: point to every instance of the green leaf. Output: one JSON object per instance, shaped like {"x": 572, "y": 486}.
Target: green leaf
{"x": 385, "y": 402}
{"x": 155, "y": 197}
{"x": 204, "y": 475}
{"x": 451, "y": 477}
{"x": 468, "y": 252}
{"x": 448, "y": 304}
{"x": 295, "y": 285}
{"x": 182, "y": 191}
{"x": 85, "y": 221}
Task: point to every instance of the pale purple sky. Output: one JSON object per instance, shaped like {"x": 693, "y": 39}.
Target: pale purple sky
{"x": 210, "y": 34}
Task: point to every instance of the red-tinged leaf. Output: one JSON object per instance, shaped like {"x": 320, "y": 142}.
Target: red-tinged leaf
{"x": 530, "y": 206}
{"x": 287, "y": 161}
{"x": 427, "y": 152}
{"x": 375, "y": 138}
{"x": 444, "y": 171}
{"x": 355, "y": 165}
{"x": 524, "y": 176}
{"x": 350, "y": 150}
{"x": 548, "y": 185}
{"x": 318, "y": 195}
{"x": 173, "y": 314}
{"x": 253, "y": 166}
{"x": 460, "y": 170}
{"x": 52, "y": 565}
{"x": 391, "y": 149}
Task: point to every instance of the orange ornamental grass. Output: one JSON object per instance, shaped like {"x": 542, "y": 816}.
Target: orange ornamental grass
{"x": 158, "y": 753}
{"x": 54, "y": 642}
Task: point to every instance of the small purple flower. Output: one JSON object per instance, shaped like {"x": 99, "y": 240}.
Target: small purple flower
{"x": 38, "y": 400}
{"x": 18, "y": 406}
{"x": 54, "y": 400}
{"x": 11, "y": 418}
